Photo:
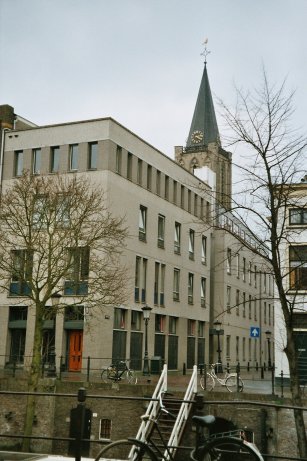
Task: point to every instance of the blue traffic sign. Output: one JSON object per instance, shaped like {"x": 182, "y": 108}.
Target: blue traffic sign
{"x": 255, "y": 332}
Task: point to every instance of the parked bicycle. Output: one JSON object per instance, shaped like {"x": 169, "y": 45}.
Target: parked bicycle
{"x": 226, "y": 446}
{"x": 117, "y": 372}
{"x": 230, "y": 380}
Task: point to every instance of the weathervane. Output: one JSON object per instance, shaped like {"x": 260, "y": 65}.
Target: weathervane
{"x": 206, "y": 51}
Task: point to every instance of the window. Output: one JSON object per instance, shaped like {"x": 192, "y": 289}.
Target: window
{"x": 191, "y": 243}
{"x": 190, "y": 287}
{"x": 140, "y": 279}
{"x": 176, "y": 285}
{"x": 237, "y": 302}
{"x": 250, "y": 273}
{"x": 136, "y": 320}
{"x": 182, "y": 201}
{"x": 161, "y": 230}
{"x": 55, "y": 159}
{"x": 166, "y": 187}
{"x": 243, "y": 349}
{"x": 175, "y": 192}
{"x": 177, "y": 238}
{"x": 149, "y": 176}
{"x": 244, "y": 270}
{"x": 159, "y": 323}
{"x": 228, "y": 347}
{"x": 142, "y": 223}
{"x": 298, "y": 267}
{"x": 129, "y": 166}
{"x": 203, "y": 292}
{"x": 73, "y": 313}
{"x": 238, "y": 265}
{"x": 297, "y": 216}
{"x": 92, "y": 155}
{"x": 191, "y": 327}
{"x": 62, "y": 211}
{"x": 76, "y": 282}
{"x": 228, "y": 261}
{"x": 73, "y": 157}
{"x": 158, "y": 182}
{"x": 264, "y": 282}
{"x": 204, "y": 250}
{"x": 255, "y": 276}
{"x": 119, "y": 319}
{"x": 237, "y": 348}
{"x": 36, "y": 161}
{"x": 140, "y": 172}
{"x": 270, "y": 314}
{"x": 22, "y": 266}
{"x": 172, "y": 325}
{"x": 189, "y": 200}
{"x": 244, "y": 304}
{"x": 105, "y": 427}
{"x": 201, "y": 329}
{"x": 39, "y": 217}
{"x": 255, "y": 309}
{"x": 195, "y": 205}
{"x": 159, "y": 284}
{"x": 249, "y": 349}
{"x": 249, "y": 306}
{"x": 18, "y": 163}
{"x": 265, "y": 312}
{"x": 18, "y": 313}
{"x": 228, "y": 299}
{"x": 118, "y": 165}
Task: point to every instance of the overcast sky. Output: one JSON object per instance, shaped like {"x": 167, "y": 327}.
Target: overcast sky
{"x": 139, "y": 61}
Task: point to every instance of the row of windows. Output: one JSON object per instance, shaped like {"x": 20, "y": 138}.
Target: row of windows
{"x": 161, "y": 232}
{"x": 194, "y": 327}
{"x": 161, "y": 184}
{"x": 140, "y": 289}
{"x": 246, "y": 349}
{"x": 247, "y": 304}
{"x": 247, "y": 272}
{"x": 76, "y": 283}
{"x": 54, "y": 159}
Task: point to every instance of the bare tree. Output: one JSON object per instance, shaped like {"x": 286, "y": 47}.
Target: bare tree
{"x": 58, "y": 238}
{"x": 272, "y": 166}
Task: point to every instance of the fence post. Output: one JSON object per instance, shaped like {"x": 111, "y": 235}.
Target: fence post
{"x": 247, "y": 366}
{"x": 227, "y": 367}
{"x": 184, "y": 369}
{"x": 88, "y": 369}
{"x": 81, "y": 408}
{"x": 257, "y": 366}
{"x": 262, "y": 373}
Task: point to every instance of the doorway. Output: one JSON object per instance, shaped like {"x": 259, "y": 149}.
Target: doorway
{"x": 75, "y": 350}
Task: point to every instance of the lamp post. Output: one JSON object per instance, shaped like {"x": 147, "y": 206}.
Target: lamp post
{"x": 268, "y": 337}
{"x": 217, "y": 324}
{"x": 146, "y": 314}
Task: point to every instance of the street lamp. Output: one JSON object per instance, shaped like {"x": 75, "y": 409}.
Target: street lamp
{"x": 268, "y": 337}
{"x": 146, "y": 314}
{"x": 217, "y": 324}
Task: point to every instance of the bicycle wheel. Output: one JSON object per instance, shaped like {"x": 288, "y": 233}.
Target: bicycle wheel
{"x": 105, "y": 375}
{"x": 207, "y": 382}
{"x": 131, "y": 377}
{"x": 126, "y": 449}
{"x": 229, "y": 449}
{"x": 231, "y": 383}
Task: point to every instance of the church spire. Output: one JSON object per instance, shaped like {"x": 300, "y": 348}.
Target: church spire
{"x": 204, "y": 129}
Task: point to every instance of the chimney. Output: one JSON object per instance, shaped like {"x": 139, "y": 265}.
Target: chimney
{"x": 7, "y": 116}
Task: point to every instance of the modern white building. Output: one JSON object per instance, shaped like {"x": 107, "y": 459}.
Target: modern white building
{"x": 189, "y": 273}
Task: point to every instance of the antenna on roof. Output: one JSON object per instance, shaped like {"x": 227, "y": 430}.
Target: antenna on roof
{"x": 206, "y": 51}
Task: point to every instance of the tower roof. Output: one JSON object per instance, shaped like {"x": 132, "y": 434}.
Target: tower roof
{"x": 204, "y": 127}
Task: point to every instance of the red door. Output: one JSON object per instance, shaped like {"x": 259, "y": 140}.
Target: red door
{"x": 75, "y": 350}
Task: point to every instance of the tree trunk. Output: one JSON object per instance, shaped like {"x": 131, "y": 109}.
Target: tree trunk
{"x": 35, "y": 374}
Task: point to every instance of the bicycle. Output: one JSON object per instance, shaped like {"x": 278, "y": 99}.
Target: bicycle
{"x": 226, "y": 446}
{"x": 230, "y": 380}
{"x": 117, "y": 372}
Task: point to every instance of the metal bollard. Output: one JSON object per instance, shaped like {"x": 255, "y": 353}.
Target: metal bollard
{"x": 184, "y": 371}
{"x": 262, "y": 373}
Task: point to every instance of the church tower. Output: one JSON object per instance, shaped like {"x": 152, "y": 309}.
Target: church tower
{"x": 203, "y": 146}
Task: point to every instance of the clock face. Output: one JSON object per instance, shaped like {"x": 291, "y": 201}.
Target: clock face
{"x": 197, "y": 136}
